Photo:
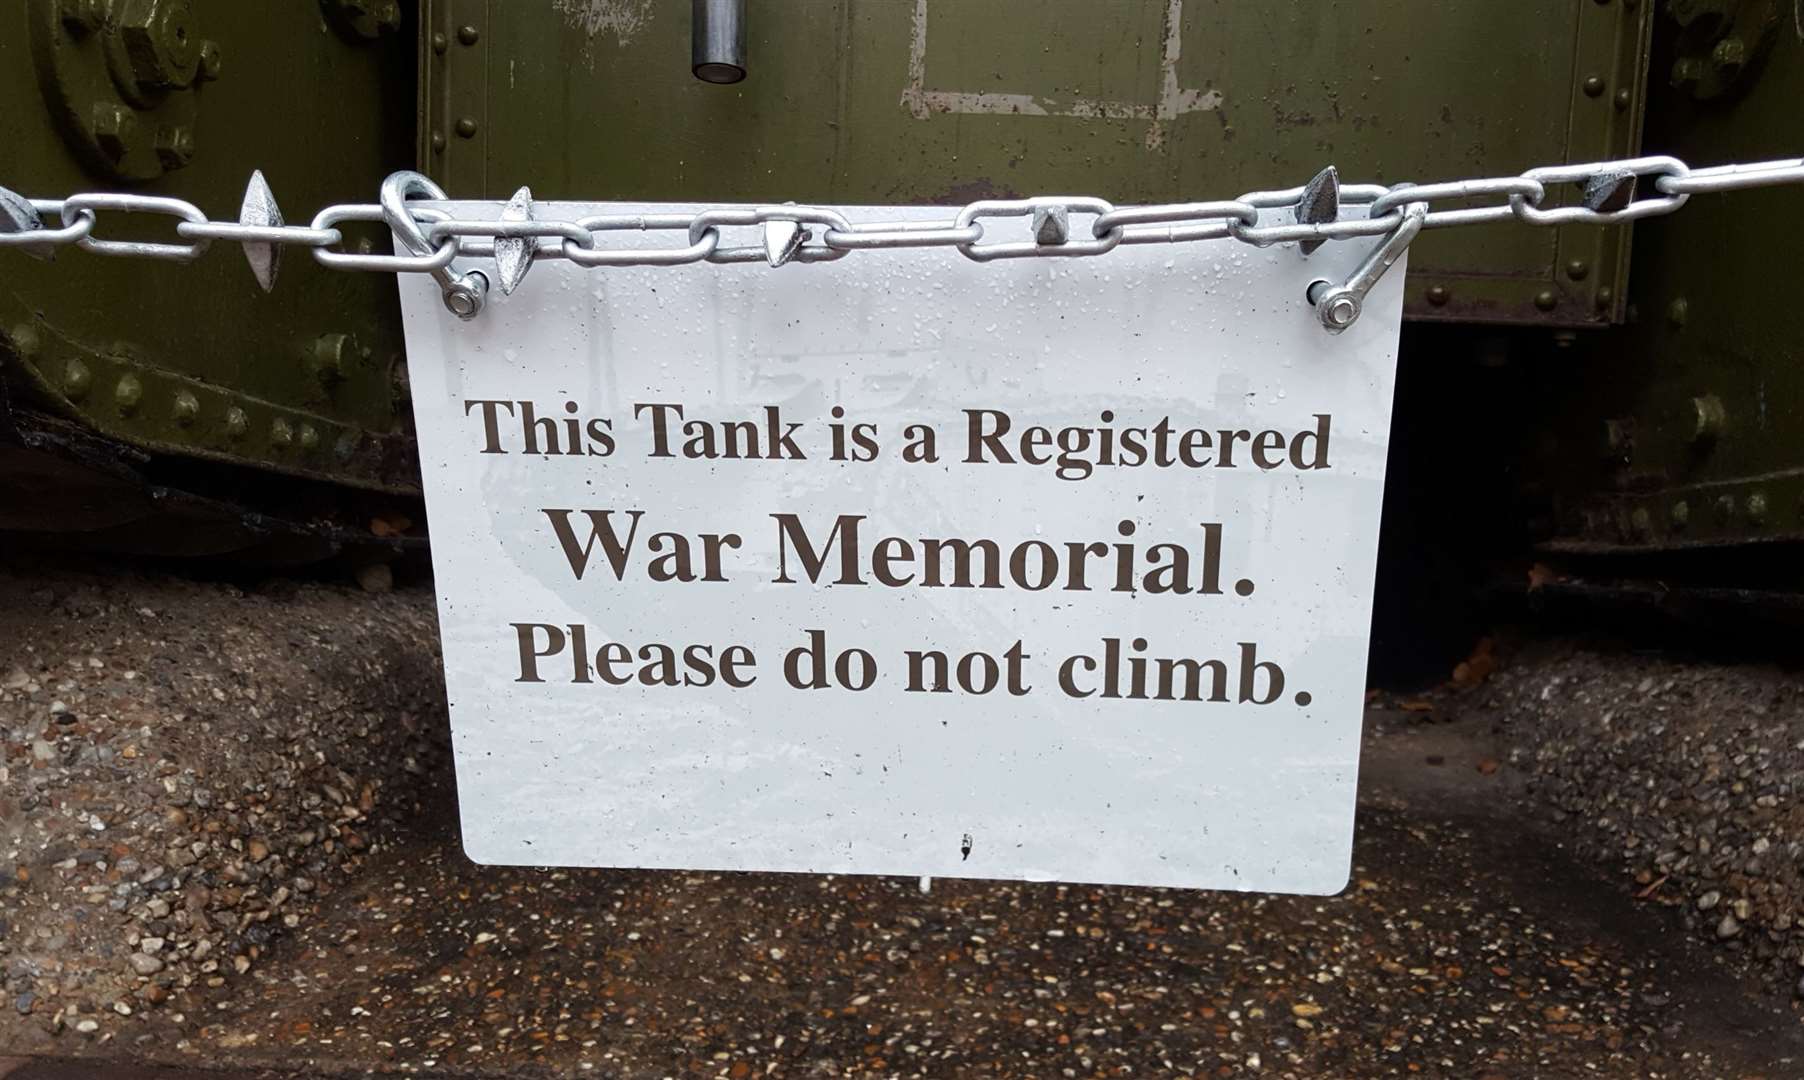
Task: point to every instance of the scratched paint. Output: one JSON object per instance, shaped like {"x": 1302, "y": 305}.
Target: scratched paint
{"x": 621, "y": 18}
{"x": 1173, "y": 100}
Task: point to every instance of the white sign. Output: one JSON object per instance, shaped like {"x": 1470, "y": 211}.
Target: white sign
{"x": 904, "y": 564}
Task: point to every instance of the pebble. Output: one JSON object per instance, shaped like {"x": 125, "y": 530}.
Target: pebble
{"x": 145, "y": 964}
{"x": 1692, "y": 814}
{"x": 164, "y": 754}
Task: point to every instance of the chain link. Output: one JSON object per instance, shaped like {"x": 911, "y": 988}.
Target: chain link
{"x": 433, "y": 239}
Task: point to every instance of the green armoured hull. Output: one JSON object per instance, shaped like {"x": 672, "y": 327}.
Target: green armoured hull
{"x": 190, "y": 379}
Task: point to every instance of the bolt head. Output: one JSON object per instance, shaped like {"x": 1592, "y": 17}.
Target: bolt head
{"x": 175, "y": 145}
{"x": 160, "y": 41}
{"x": 1340, "y": 312}
{"x": 211, "y": 61}
{"x": 1680, "y": 514}
{"x": 115, "y": 129}
{"x": 236, "y": 422}
{"x": 281, "y": 433}
{"x": 186, "y": 408}
{"x": 1757, "y": 508}
{"x": 464, "y": 297}
{"x": 83, "y": 17}
{"x": 1729, "y": 55}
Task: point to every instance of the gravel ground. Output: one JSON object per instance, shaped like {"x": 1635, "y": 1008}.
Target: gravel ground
{"x": 1686, "y": 780}
{"x": 230, "y": 839}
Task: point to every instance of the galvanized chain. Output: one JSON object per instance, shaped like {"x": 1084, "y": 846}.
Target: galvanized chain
{"x": 1323, "y": 210}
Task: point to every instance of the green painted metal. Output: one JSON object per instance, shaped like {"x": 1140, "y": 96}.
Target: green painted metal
{"x": 875, "y": 101}
{"x": 195, "y": 359}
{"x": 1686, "y": 427}
{"x": 944, "y": 101}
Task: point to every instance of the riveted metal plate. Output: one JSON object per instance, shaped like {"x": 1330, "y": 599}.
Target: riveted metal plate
{"x": 1683, "y": 428}
{"x": 936, "y": 101}
{"x": 325, "y": 118}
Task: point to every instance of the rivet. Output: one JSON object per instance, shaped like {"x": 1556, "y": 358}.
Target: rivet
{"x": 1708, "y": 418}
{"x": 1678, "y": 313}
{"x": 1438, "y": 295}
{"x": 281, "y": 433}
{"x": 1725, "y": 508}
{"x": 1757, "y": 508}
{"x": 127, "y": 393}
{"x": 466, "y": 128}
{"x": 186, "y": 408}
{"x": 1616, "y": 440}
{"x": 346, "y": 445}
{"x": 25, "y": 339}
{"x": 236, "y": 423}
{"x": 467, "y": 34}
{"x": 1642, "y": 523}
{"x": 1680, "y": 514}
{"x": 1606, "y": 297}
{"x": 309, "y": 437}
{"x": 439, "y": 44}
{"x": 1547, "y": 301}
{"x": 1578, "y": 269}
{"x": 76, "y": 380}
{"x": 438, "y": 142}
{"x": 331, "y": 353}
{"x": 1594, "y": 85}
{"x": 1623, "y": 100}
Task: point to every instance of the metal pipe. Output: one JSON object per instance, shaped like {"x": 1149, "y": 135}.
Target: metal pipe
{"x": 717, "y": 43}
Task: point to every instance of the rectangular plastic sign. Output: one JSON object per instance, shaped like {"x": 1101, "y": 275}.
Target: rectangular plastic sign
{"x": 1048, "y": 569}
